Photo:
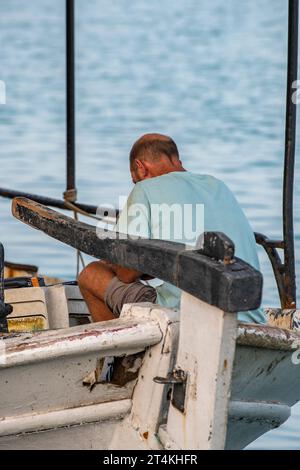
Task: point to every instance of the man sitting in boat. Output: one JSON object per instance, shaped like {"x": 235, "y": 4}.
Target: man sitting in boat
{"x": 160, "y": 180}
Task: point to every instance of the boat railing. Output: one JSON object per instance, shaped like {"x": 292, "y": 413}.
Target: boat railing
{"x": 212, "y": 274}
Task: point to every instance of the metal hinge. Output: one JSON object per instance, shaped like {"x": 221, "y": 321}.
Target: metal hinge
{"x": 178, "y": 380}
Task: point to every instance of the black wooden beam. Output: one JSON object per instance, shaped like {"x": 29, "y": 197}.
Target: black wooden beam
{"x": 230, "y": 286}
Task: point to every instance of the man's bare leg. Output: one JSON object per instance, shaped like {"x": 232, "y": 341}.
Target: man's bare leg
{"x": 93, "y": 282}
{"x": 97, "y": 308}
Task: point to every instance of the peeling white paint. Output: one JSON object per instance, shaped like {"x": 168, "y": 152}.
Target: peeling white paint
{"x": 63, "y": 418}
{"x": 112, "y": 338}
{"x": 2, "y": 353}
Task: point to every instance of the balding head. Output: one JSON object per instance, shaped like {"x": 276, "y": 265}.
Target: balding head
{"x": 153, "y": 146}
{"x": 154, "y": 155}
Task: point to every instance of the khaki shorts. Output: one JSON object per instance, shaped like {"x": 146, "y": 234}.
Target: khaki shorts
{"x": 118, "y": 294}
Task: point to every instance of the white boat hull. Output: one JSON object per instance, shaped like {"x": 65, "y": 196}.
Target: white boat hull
{"x": 242, "y": 381}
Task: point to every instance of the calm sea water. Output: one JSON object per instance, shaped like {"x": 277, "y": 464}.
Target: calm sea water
{"x": 211, "y": 74}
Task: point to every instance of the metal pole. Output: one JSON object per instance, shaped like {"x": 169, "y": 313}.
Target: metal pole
{"x": 48, "y": 201}
{"x": 70, "y": 193}
{"x": 289, "y": 160}
{"x": 1, "y": 274}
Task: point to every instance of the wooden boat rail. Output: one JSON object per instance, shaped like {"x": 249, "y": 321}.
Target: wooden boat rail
{"x": 115, "y": 337}
{"x": 231, "y": 285}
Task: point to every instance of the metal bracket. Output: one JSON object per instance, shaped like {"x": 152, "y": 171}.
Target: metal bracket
{"x": 178, "y": 380}
{"x": 282, "y": 270}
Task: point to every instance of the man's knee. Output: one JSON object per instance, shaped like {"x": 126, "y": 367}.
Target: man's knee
{"x": 95, "y": 279}
{"x": 87, "y": 275}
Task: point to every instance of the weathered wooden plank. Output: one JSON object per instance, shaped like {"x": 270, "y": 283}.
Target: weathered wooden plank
{"x": 114, "y": 337}
{"x": 34, "y": 422}
{"x": 230, "y": 286}
{"x": 267, "y": 337}
{"x": 208, "y": 357}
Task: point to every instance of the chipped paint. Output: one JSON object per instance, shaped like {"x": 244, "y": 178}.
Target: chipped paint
{"x": 125, "y": 370}
{"x": 26, "y": 324}
{"x": 269, "y": 337}
{"x": 111, "y": 338}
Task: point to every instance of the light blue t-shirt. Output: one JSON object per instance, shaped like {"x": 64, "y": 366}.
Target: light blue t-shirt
{"x": 179, "y": 206}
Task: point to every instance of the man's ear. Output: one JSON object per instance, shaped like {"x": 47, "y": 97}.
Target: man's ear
{"x": 139, "y": 164}
{"x": 176, "y": 162}
{"x": 142, "y": 168}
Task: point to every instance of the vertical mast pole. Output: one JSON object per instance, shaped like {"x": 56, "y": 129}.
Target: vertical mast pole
{"x": 71, "y": 193}
{"x": 289, "y": 159}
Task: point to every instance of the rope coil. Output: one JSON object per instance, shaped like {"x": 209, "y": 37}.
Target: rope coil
{"x": 70, "y": 195}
